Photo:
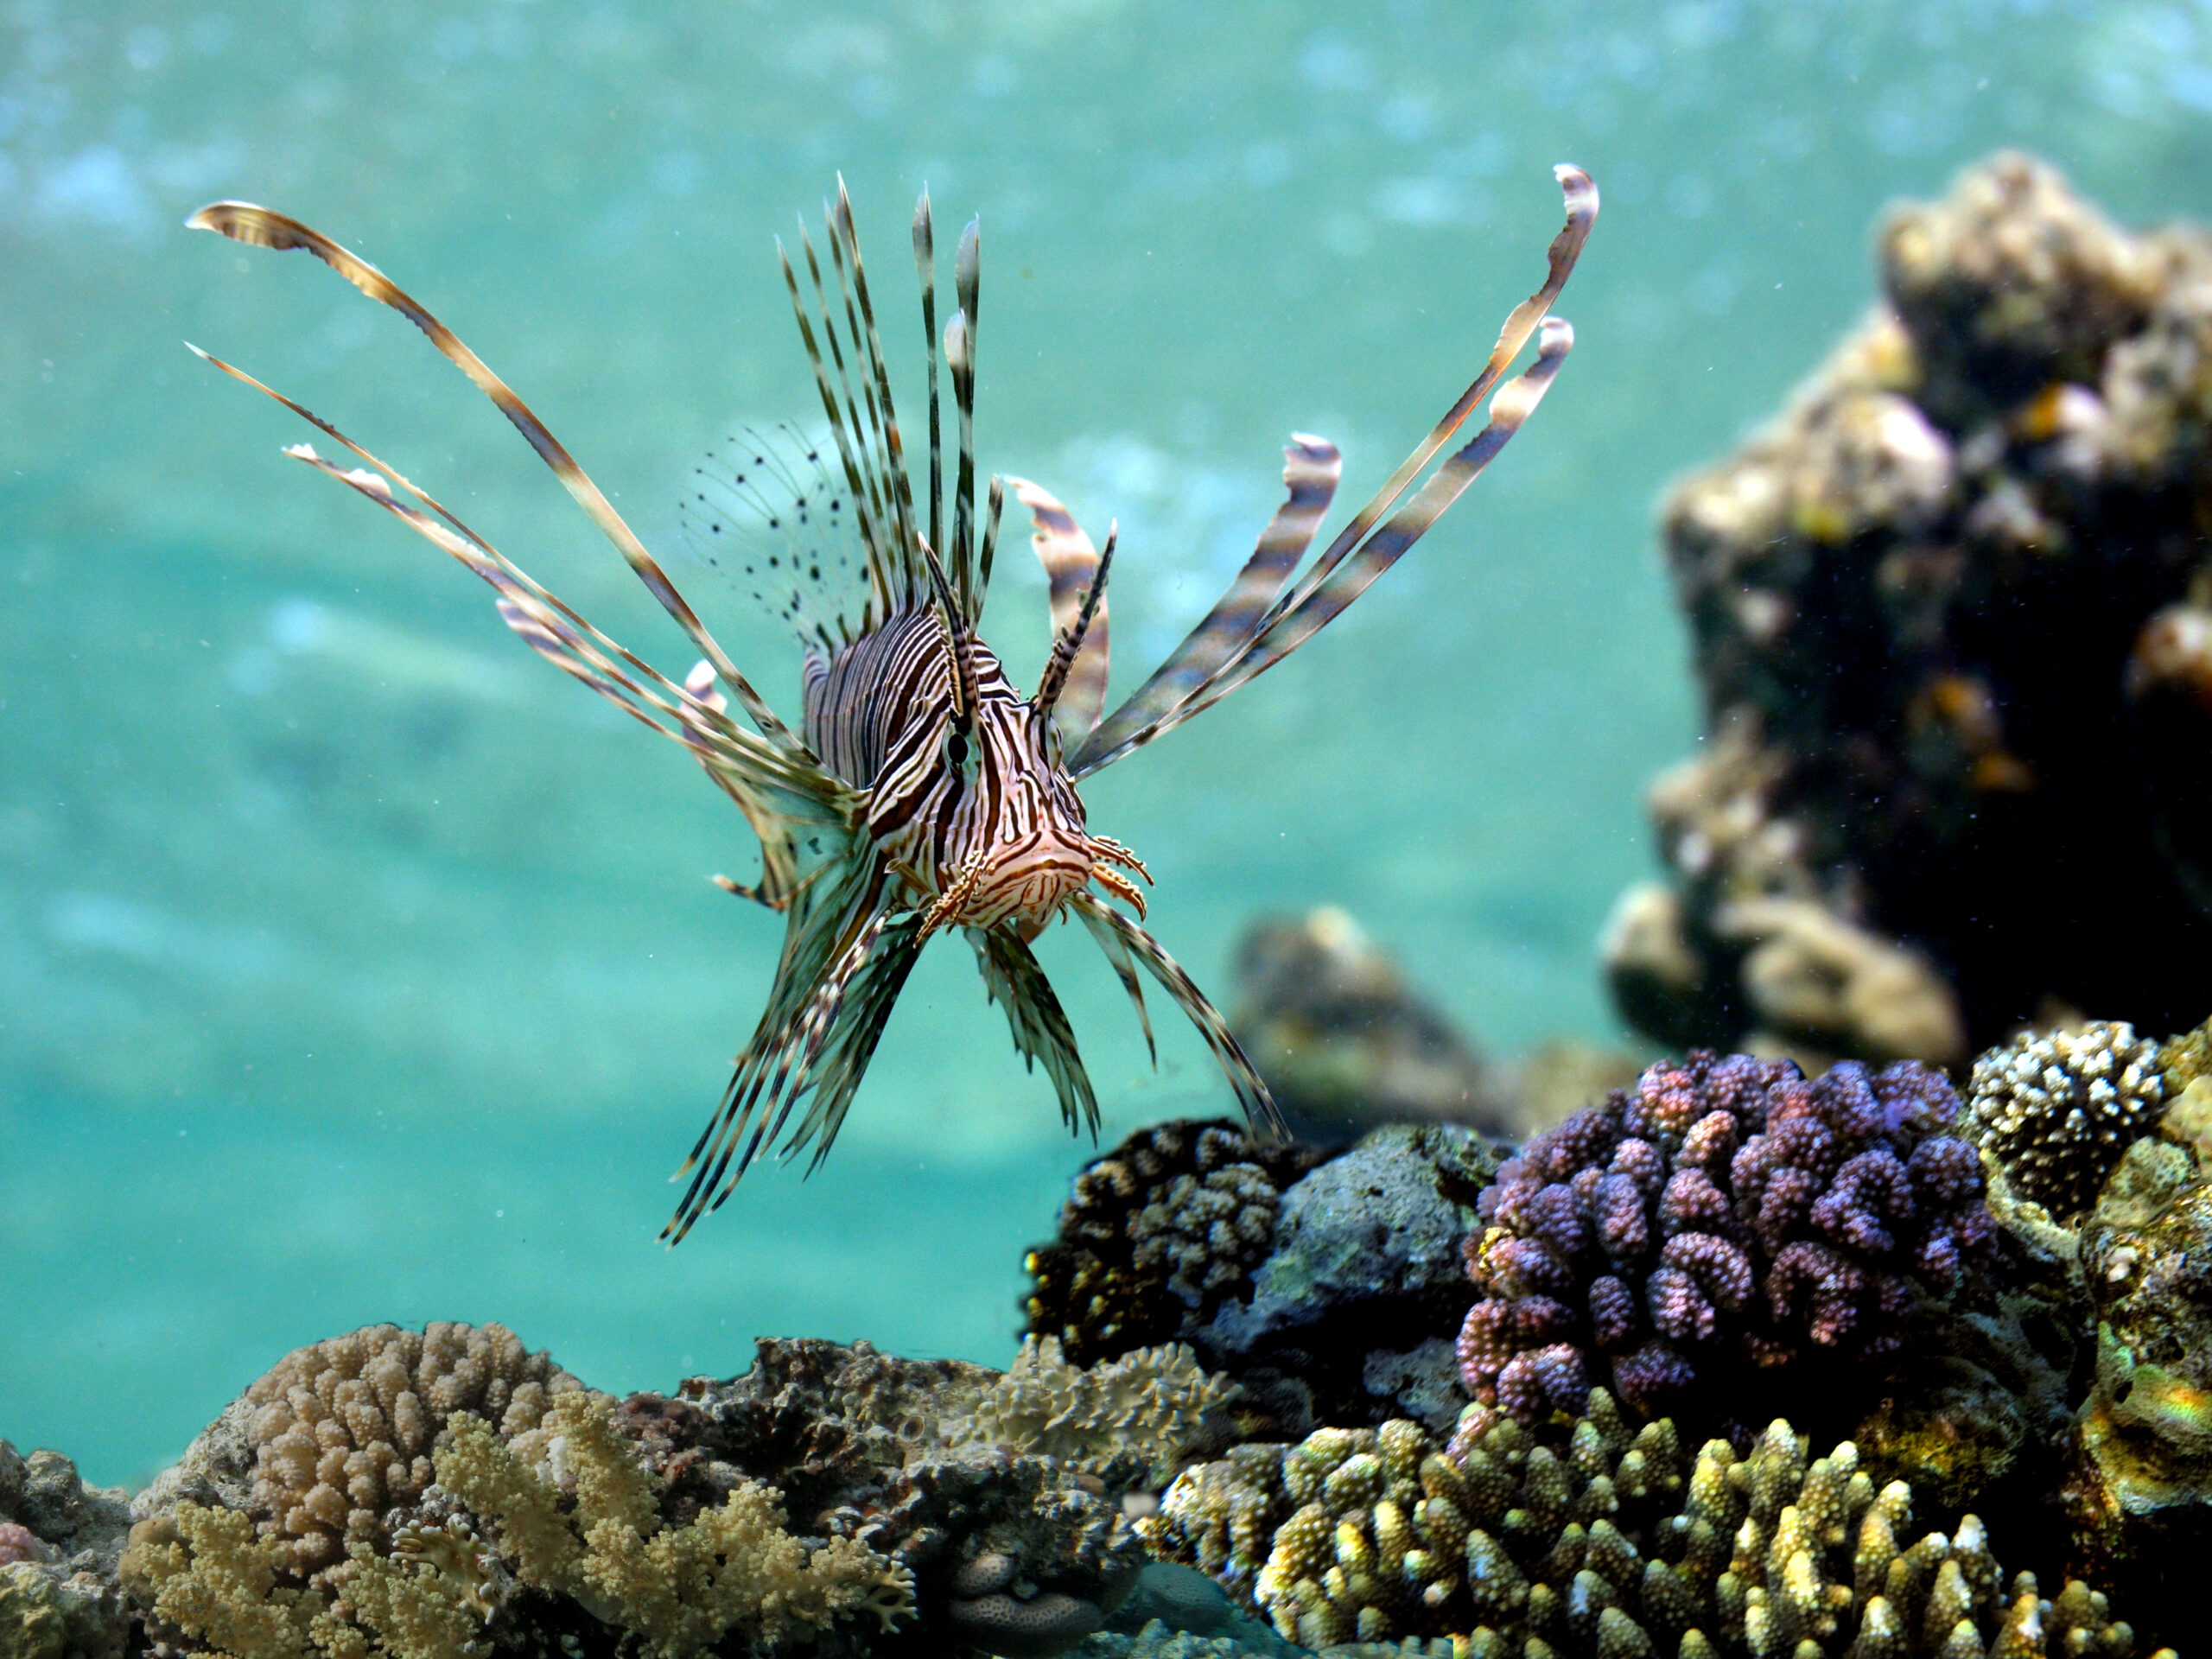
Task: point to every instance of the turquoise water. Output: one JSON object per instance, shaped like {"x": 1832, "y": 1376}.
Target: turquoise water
{"x": 355, "y": 966}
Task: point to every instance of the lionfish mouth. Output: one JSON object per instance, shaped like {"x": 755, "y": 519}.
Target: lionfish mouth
{"x": 1028, "y": 887}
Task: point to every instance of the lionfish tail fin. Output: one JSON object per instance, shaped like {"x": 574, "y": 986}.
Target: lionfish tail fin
{"x": 1245, "y": 1079}
{"x": 1297, "y": 612}
{"x": 261, "y": 228}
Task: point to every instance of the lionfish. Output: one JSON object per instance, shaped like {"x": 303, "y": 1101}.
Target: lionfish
{"x": 922, "y": 791}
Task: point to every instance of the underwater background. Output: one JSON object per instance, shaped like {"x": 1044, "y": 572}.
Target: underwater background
{"x": 354, "y": 967}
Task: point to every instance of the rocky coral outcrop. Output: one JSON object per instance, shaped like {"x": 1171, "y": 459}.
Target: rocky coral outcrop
{"x": 2140, "y": 1491}
{"x": 940, "y": 1465}
{"x": 60, "y": 1540}
{"x": 1157, "y": 1235}
{"x": 1351, "y": 1313}
{"x": 1344, "y": 1041}
{"x": 1952, "y": 619}
{"x": 1727, "y": 1217}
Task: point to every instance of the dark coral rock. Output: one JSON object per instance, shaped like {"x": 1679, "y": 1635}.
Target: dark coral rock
{"x": 1361, "y": 1285}
{"x": 1011, "y": 1551}
{"x": 1728, "y": 1214}
{"x": 1949, "y": 625}
{"x": 1157, "y": 1235}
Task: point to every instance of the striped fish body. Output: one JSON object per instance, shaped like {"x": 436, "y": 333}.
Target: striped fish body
{"x": 977, "y": 810}
{"x": 921, "y": 792}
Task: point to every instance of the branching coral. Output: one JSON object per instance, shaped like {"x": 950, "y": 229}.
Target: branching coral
{"x": 343, "y": 1432}
{"x": 1607, "y": 1548}
{"x": 2057, "y": 1109}
{"x": 1157, "y": 1235}
{"x": 1727, "y": 1212}
{"x": 1150, "y": 1403}
{"x": 679, "y": 1590}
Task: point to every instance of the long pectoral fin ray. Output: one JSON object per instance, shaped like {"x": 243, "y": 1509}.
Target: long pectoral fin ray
{"x": 1260, "y": 1110}
{"x": 243, "y": 221}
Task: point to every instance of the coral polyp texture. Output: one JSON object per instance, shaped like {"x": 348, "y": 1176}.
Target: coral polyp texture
{"x": 1725, "y": 1213}
{"x": 1610, "y": 1545}
{"x": 342, "y": 1433}
{"x": 1157, "y": 1235}
{"x": 2058, "y": 1108}
{"x": 1952, "y": 620}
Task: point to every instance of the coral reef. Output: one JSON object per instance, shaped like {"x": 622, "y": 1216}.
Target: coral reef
{"x": 1606, "y": 1546}
{"x": 2056, "y": 1110}
{"x": 1350, "y": 1315}
{"x": 1011, "y": 1549}
{"x": 1157, "y": 1235}
{"x": 1150, "y": 1404}
{"x": 1727, "y": 1214}
{"x": 2140, "y": 1491}
{"x": 60, "y": 1540}
{"x": 1344, "y": 1041}
{"x": 1952, "y": 620}
{"x": 333, "y": 1445}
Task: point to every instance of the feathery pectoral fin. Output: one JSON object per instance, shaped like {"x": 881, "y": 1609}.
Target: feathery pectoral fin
{"x": 1072, "y": 566}
{"x": 846, "y": 958}
{"x": 261, "y": 228}
{"x": 1040, "y": 1025}
{"x": 1251, "y": 1090}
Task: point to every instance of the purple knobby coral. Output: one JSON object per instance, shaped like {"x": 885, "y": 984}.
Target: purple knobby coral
{"x": 1726, "y": 1211}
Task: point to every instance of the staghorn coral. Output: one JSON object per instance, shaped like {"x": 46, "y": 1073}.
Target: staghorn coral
{"x": 2057, "y": 1109}
{"x": 333, "y": 1445}
{"x": 1148, "y": 1403}
{"x": 1952, "y": 620}
{"x": 1727, "y": 1213}
{"x": 1607, "y": 1548}
{"x": 1158, "y": 1234}
{"x": 1345, "y": 1043}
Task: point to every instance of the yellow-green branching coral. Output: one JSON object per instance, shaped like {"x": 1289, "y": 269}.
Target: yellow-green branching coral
{"x": 679, "y": 1590}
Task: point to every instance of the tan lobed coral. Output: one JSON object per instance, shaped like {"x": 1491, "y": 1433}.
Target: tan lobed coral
{"x": 1601, "y": 1548}
{"x": 1150, "y": 1403}
{"x": 586, "y": 1526}
{"x": 342, "y": 1433}
{"x": 2057, "y": 1108}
